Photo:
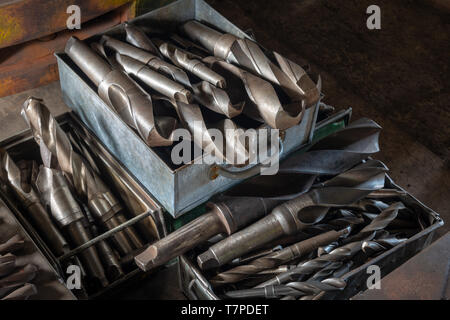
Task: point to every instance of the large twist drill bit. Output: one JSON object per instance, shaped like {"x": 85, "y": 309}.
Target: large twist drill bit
{"x": 57, "y": 196}
{"x": 262, "y": 102}
{"x": 11, "y": 174}
{"x": 155, "y": 126}
{"x": 228, "y": 215}
{"x": 138, "y": 38}
{"x": 147, "y": 68}
{"x": 89, "y": 186}
{"x": 293, "y": 216}
{"x": 292, "y": 289}
{"x": 277, "y": 258}
{"x": 189, "y": 62}
{"x": 289, "y": 76}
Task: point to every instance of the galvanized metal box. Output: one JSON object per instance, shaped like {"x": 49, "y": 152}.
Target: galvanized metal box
{"x": 144, "y": 212}
{"x": 195, "y": 286}
{"x": 178, "y": 189}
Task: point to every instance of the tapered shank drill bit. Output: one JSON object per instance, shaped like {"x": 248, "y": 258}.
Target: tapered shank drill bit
{"x": 7, "y": 264}
{"x": 57, "y": 196}
{"x": 22, "y": 293}
{"x": 226, "y": 216}
{"x": 290, "y": 76}
{"x": 277, "y": 258}
{"x": 10, "y": 174}
{"x": 133, "y": 105}
{"x": 292, "y": 216}
{"x": 17, "y": 279}
{"x": 89, "y": 186}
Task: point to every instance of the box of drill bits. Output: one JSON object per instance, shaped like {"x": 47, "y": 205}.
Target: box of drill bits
{"x": 86, "y": 212}
{"x": 184, "y": 66}
{"x": 25, "y": 274}
{"x": 330, "y": 224}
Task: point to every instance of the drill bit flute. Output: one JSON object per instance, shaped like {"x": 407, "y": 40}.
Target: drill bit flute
{"x": 57, "y": 196}
{"x": 244, "y": 52}
{"x": 293, "y": 216}
{"x": 89, "y": 186}
{"x": 11, "y": 175}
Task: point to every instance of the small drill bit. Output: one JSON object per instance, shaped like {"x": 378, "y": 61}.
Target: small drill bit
{"x": 13, "y": 244}
{"x": 275, "y": 259}
{"x": 292, "y": 289}
{"x": 22, "y": 293}
{"x": 7, "y": 264}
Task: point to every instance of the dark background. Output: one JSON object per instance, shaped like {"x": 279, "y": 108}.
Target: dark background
{"x": 398, "y": 76}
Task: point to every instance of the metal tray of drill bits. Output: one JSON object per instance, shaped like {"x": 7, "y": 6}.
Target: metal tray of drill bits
{"x": 145, "y": 214}
{"x": 179, "y": 188}
{"x": 46, "y": 283}
{"x": 195, "y": 285}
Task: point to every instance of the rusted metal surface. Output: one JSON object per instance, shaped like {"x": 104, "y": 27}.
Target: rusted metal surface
{"x": 18, "y": 23}
{"x": 424, "y": 277}
{"x": 32, "y": 64}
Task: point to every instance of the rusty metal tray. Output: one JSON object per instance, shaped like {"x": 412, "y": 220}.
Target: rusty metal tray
{"x": 143, "y": 208}
{"x": 195, "y": 286}
{"x": 178, "y": 189}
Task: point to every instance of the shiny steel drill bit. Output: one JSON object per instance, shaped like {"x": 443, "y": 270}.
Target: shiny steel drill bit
{"x": 13, "y": 244}
{"x": 153, "y": 79}
{"x": 189, "y": 62}
{"x": 88, "y": 185}
{"x": 56, "y": 195}
{"x": 10, "y": 174}
{"x": 150, "y": 60}
{"x": 138, "y": 38}
{"x": 293, "y": 216}
{"x": 133, "y": 105}
{"x": 289, "y": 76}
{"x": 292, "y": 289}
{"x": 7, "y": 264}
{"x": 261, "y": 100}
{"x": 342, "y": 253}
{"x": 277, "y": 258}
{"x": 22, "y": 293}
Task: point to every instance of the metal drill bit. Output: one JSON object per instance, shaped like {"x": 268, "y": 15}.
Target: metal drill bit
{"x": 22, "y": 293}
{"x": 147, "y": 68}
{"x": 18, "y": 278}
{"x": 293, "y": 216}
{"x": 138, "y": 38}
{"x": 13, "y": 244}
{"x": 189, "y": 62}
{"x": 7, "y": 264}
{"x": 152, "y": 61}
{"x": 88, "y": 185}
{"x": 10, "y": 174}
{"x": 292, "y": 289}
{"x": 261, "y": 100}
{"x": 153, "y": 79}
{"x": 289, "y": 76}
{"x": 57, "y": 196}
{"x": 342, "y": 253}
{"x": 277, "y": 258}
{"x": 226, "y": 216}
{"x": 110, "y": 260}
{"x": 133, "y": 105}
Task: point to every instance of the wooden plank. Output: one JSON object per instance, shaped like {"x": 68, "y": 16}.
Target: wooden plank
{"x": 25, "y": 20}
